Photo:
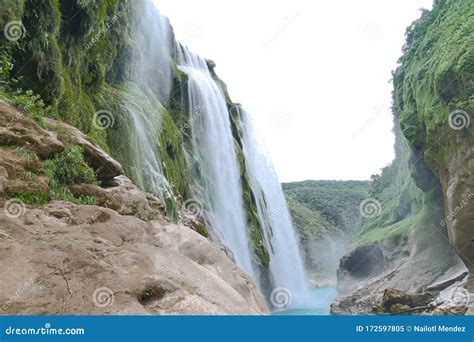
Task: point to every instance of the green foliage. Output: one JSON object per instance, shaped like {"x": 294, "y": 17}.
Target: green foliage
{"x": 29, "y": 176}
{"x": 396, "y": 191}
{"x": 68, "y": 168}
{"x": 435, "y": 78}
{"x": 26, "y": 154}
{"x": 30, "y": 104}
{"x": 34, "y": 198}
{"x": 337, "y": 202}
{"x": 325, "y": 214}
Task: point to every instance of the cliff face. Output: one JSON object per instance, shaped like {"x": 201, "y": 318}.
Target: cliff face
{"x": 105, "y": 249}
{"x": 110, "y": 70}
{"x": 433, "y": 97}
{"x": 98, "y": 65}
{"x": 423, "y": 228}
{"x": 326, "y": 215}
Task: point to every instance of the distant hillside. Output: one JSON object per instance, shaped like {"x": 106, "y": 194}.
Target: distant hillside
{"x": 325, "y": 214}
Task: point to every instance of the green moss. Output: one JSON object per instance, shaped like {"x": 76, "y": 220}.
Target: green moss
{"x": 203, "y": 231}
{"x": 28, "y": 155}
{"x": 29, "y": 176}
{"x": 68, "y": 168}
{"x": 172, "y": 156}
{"x": 33, "y": 198}
{"x": 435, "y": 78}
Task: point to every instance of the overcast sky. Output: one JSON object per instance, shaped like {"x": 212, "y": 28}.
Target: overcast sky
{"x": 313, "y": 74}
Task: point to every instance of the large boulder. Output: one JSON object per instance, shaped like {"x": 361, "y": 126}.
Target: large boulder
{"x": 56, "y": 260}
{"x": 105, "y": 166}
{"x": 457, "y": 182}
{"x": 124, "y": 197}
{"x": 18, "y": 129}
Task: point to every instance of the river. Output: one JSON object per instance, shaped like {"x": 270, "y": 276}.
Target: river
{"x": 321, "y": 300}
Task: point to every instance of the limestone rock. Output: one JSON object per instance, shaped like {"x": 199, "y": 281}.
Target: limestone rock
{"x": 18, "y": 129}
{"x": 13, "y": 173}
{"x": 394, "y": 296}
{"x": 57, "y": 261}
{"x": 124, "y": 197}
{"x": 105, "y": 166}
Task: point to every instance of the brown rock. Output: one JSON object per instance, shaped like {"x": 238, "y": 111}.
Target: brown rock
{"x": 394, "y": 296}
{"x": 56, "y": 261}
{"x": 124, "y": 197}
{"x": 105, "y": 166}
{"x": 399, "y": 308}
{"x": 13, "y": 173}
{"x": 18, "y": 129}
{"x": 457, "y": 182}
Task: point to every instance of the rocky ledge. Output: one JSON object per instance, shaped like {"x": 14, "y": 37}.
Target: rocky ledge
{"x": 119, "y": 255}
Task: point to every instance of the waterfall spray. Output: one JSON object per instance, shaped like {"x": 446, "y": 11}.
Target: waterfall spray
{"x": 286, "y": 265}
{"x": 213, "y": 147}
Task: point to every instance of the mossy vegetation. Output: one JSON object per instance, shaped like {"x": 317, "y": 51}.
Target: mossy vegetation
{"x": 69, "y": 167}
{"x": 435, "y": 78}
{"x": 325, "y": 215}
{"x": 79, "y": 57}
{"x": 65, "y": 169}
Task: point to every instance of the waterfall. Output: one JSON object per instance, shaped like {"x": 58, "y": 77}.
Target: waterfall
{"x": 215, "y": 170}
{"x": 286, "y": 265}
{"x": 218, "y": 179}
{"x": 148, "y": 88}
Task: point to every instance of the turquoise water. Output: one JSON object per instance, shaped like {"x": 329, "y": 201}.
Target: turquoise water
{"x": 321, "y": 300}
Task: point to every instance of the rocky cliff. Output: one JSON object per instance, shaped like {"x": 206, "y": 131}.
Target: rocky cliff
{"x": 423, "y": 222}
{"x": 97, "y": 66}
{"x": 326, "y": 215}
{"x": 108, "y": 248}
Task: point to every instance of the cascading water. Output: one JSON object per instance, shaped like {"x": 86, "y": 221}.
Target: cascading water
{"x": 150, "y": 82}
{"x": 286, "y": 265}
{"x": 218, "y": 183}
{"x": 211, "y": 155}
